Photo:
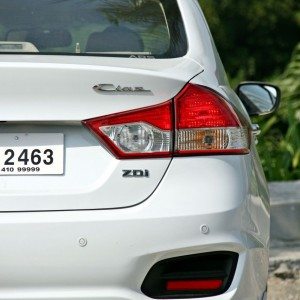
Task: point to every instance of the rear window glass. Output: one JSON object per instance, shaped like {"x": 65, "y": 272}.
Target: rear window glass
{"x": 140, "y": 28}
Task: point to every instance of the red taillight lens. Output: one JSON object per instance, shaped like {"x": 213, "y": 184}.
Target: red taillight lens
{"x": 139, "y": 133}
{"x": 194, "y": 285}
{"x": 199, "y": 107}
{"x": 204, "y": 124}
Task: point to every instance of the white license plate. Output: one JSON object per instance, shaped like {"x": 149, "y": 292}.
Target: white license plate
{"x": 31, "y": 153}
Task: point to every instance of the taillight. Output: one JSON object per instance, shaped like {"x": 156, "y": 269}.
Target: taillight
{"x": 199, "y": 118}
{"x": 138, "y": 133}
{"x": 207, "y": 124}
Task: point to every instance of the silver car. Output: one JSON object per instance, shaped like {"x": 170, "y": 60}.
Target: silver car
{"x": 128, "y": 167}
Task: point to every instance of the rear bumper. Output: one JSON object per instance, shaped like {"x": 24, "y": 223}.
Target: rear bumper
{"x": 41, "y": 258}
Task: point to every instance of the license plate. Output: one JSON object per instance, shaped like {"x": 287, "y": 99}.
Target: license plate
{"x": 31, "y": 154}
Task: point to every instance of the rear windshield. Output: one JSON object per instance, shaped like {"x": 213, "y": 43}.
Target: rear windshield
{"x": 126, "y": 28}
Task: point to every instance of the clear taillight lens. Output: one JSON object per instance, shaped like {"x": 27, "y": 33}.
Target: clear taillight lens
{"x": 199, "y": 118}
{"x": 206, "y": 140}
{"x": 138, "y": 138}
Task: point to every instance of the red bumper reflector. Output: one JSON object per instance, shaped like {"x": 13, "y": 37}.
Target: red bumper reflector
{"x": 194, "y": 285}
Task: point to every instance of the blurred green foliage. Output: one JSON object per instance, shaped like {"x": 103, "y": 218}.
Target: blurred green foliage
{"x": 256, "y": 40}
{"x": 279, "y": 144}
{"x": 255, "y": 37}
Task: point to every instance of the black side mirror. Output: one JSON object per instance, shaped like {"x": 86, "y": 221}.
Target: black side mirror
{"x": 259, "y": 98}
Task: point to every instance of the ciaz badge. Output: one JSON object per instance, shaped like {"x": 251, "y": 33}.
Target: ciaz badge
{"x": 110, "y": 88}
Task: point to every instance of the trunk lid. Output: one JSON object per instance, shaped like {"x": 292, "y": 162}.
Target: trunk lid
{"x": 53, "y": 94}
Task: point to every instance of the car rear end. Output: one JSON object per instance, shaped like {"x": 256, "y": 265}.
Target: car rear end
{"x": 128, "y": 167}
